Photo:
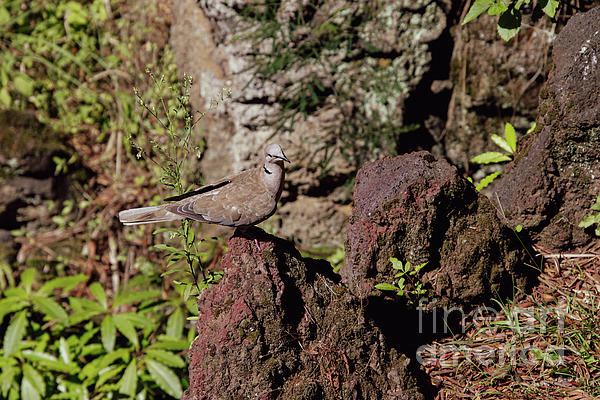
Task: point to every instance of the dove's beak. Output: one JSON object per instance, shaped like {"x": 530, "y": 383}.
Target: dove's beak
{"x": 283, "y": 157}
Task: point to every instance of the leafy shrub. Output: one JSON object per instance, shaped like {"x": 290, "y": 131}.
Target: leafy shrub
{"x": 407, "y": 284}
{"x": 509, "y": 22}
{"x": 508, "y": 144}
{"x": 58, "y": 346}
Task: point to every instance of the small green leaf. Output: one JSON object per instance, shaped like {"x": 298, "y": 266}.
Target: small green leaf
{"x": 500, "y": 142}
{"x": 166, "y": 357}
{"x": 81, "y": 316}
{"x": 519, "y": 228}
{"x": 28, "y": 391}
{"x": 549, "y": 7}
{"x": 497, "y": 8}
{"x": 81, "y": 304}
{"x": 24, "y": 84}
{"x": 175, "y": 324}
{"x": 141, "y": 320}
{"x": 63, "y": 349}
{"x": 14, "y": 334}
{"x": 4, "y": 16}
{"x": 167, "y": 342}
{"x": 38, "y": 356}
{"x": 386, "y": 286}
{"x": 59, "y": 366}
{"x": 92, "y": 369}
{"x": 7, "y": 379}
{"x": 127, "y": 329}
{"x": 51, "y": 309}
{"x": 531, "y": 128}
{"x": 478, "y": 8}
{"x": 129, "y": 381}
{"x": 486, "y": 181}
{"x": 16, "y": 293}
{"x": 108, "y": 332}
{"x": 420, "y": 266}
{"x": 162, "y": 246}
{"x": 10, "y": 305}
{"x": 490, "y": 157}
{"x": 596, "y": 206}
{"x": 35, "y": 378}
{"x": 27, "y": 279}
{"x": 65, "y": 283}
{"x": 588, "y": 220}
{"x": 98, "y": 292}
{"x": 511, "y": 137}
{"x": 401, "y": 283}
{"x": 75, "y": 14}
{"x": 165, "y": 378}
{"x": 135, "y": 297}
{"x": 191, "y": 237}
{"x": 396, "y": 264}
{"x": 107, "y": 374}
{"x": 509, "y": 24}
{"x": 5, "y": 98}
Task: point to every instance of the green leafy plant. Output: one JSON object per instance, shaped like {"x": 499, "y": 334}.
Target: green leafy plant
{"x": 51, "y": 61}
{"x": 57, "y": 346}
{"x": 509, "y": 22}
{"x": 508, "y": 144}
{"x": 170, "y": 150}
{"x": 592, "y": 218}
{"x": 407, "y": 284}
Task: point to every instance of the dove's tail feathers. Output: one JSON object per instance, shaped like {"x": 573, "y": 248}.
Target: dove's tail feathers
{"x": 147, "y": 215}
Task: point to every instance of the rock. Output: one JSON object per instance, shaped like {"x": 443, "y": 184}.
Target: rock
{"x": 554, "y": 179}
{"x": 493, "y": 82}
{"x": 418, "y": 209}
{"x": 280, "y": 327}
{"x": 349, "y": 66}
{"x": 29, "y": 181}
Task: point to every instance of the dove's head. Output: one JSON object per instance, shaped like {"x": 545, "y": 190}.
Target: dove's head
{"x": 273, "y": 153}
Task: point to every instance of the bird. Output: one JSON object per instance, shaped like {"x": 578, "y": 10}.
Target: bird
{"x": 241, "y": 200}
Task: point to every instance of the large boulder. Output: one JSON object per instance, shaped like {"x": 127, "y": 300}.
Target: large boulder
{"x": 555, "y": 177}
{"x": 343, "y": 69}
{"x": 280, "y": 327}
{"x": 418, "y": 209}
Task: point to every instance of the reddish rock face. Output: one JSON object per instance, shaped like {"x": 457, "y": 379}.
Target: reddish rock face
{"x": 418, "y": 209}
{"x": 556, "y": 174}
{"x": 279, "y": 327}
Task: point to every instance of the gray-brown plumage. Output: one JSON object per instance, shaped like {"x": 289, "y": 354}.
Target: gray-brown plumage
{"x": 244, "y": 199}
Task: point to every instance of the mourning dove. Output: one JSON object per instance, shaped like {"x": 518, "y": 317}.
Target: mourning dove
{"x": 244, "y": 199}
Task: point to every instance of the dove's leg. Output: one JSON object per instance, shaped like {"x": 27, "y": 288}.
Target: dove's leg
{"x": 247, "y": 233}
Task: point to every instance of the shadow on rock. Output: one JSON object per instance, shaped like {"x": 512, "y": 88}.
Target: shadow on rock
{"x": 279, "y": 326}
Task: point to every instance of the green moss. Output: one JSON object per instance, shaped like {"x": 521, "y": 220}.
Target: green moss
{"x": 247, "y": 330}
{"x": 225, "y": 306}
{"x": 390, "y": 205}
{"x": 552, "y": 111}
